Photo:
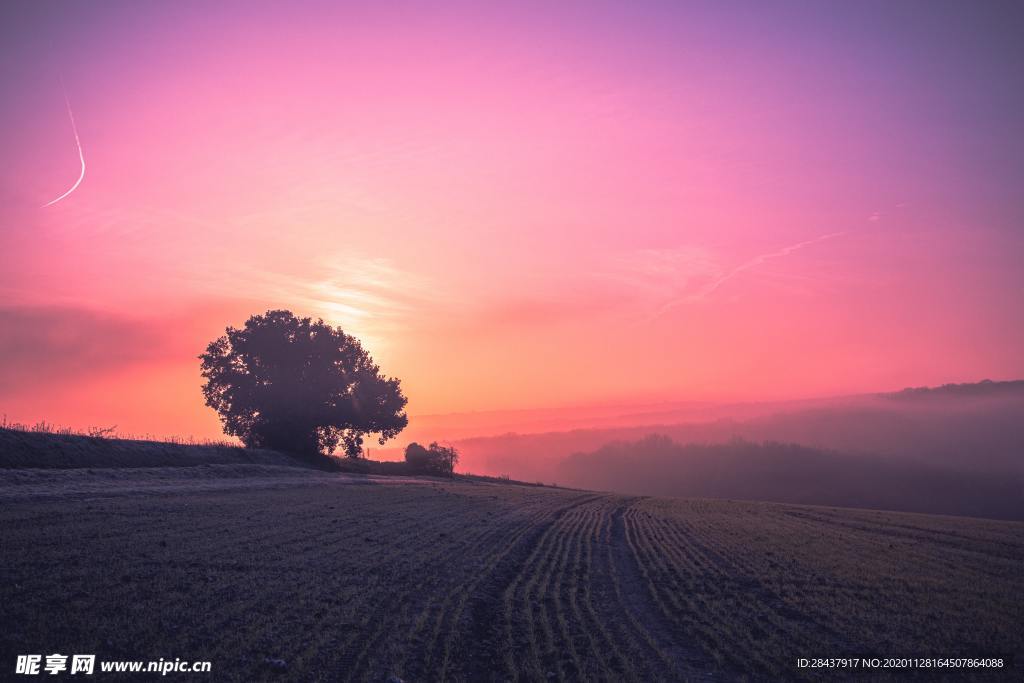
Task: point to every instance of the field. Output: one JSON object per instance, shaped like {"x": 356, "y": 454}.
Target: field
{"x": 346, "y": 577}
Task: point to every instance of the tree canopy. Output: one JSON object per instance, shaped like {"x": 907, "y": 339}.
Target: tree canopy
{"x": 299, "y": 385}
{"x": 435, "y": 458}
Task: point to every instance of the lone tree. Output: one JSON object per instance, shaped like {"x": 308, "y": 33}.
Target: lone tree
{"x": 297, "y": 385}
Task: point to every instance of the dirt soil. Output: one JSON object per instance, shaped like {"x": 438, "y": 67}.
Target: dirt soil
{"x": 356, "y": 577}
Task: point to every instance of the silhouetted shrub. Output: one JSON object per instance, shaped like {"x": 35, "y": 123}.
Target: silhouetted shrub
{"x": 296, "y": 385}
{"x": 434, "y": 459}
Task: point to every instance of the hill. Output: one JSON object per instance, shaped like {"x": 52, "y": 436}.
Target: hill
{"x": 20, "y": 448}
{"x": 791, "y": 473}
{"x": 972, "y": 434}
{"x": 983, "y": 389}
{"x": 46, "y": 450}
{"x": 307, "y": 577}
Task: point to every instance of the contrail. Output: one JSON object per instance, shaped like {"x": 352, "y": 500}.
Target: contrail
{"x": 756, "y": 261}
{"x": 81, "y": 156}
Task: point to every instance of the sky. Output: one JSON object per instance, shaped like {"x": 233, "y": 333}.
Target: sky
{"x": 516, "y": 206}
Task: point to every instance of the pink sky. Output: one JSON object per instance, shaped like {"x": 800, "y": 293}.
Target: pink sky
{"x": 514, "y": 207}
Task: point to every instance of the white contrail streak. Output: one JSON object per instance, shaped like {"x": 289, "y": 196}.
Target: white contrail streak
{"x": 756, "y": 261}
{"x": 81, "y": 156}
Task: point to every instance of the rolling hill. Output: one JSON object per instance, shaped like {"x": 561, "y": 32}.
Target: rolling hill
{"x": 955, "y": 449}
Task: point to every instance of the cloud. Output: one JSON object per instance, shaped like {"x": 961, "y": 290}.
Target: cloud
{"x": 657, "y": 274}
{"x": 361, "y": 290}
{"x": 370, "y": 298}
{"x": 758, "y": 260}
{"x": 650, "y": 268}
{"x": 671, "y": 277}
{"x": 47, "y": 345}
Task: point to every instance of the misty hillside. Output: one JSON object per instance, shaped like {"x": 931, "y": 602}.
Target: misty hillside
{"x": 977, "y": 427}
{"x": 986, "y": 388}
{"x": 791, "y": 473}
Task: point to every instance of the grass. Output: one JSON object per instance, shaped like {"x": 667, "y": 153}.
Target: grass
{"x": 44, "y": 427}
{"x": 472, "y": 580}
{"x": 59, "y": 449}
{"x": 43, "y": 446}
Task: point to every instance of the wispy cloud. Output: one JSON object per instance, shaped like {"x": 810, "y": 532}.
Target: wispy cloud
{"x": 44, "y": 346}
{"x": 657, "y": 271}
{"x": 676, "y": 276}
{"x": 371, "y": 298}
{"x": 710, "y": 288}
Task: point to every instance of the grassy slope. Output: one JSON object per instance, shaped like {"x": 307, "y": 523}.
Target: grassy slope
{"x": 478, "y": 581}
{"x": 42, "y": 450}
